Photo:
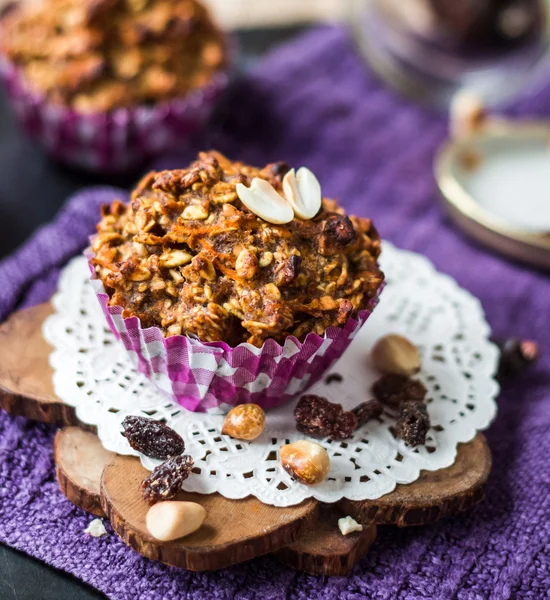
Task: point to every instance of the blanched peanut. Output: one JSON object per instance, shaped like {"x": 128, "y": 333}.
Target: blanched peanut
{"x": 171, "y": 520}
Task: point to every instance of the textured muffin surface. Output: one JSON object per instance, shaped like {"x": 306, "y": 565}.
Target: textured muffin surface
{"x": 98, "y": 55}
{"x": 187, "y": 256}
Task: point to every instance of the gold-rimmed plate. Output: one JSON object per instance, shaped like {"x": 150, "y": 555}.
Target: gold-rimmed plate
{"x": 496, "y": 186}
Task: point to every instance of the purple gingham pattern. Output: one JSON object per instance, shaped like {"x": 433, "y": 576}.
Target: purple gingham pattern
{"x": 202, "y": 376}
{"x": 110, "y": 141}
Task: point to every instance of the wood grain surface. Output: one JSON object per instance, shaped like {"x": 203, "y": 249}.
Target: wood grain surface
{"x": 79, "y": 462}
{"x": 25, "y": 374}
{"x": 323, "y": 550}
{"x": 314, "y": 544}
{"x": 435, "y": 494}
{"x": 234, "y": 530}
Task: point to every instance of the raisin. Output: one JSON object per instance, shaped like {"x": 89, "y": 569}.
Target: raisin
{"x": 152, "y": 438}
{"x": 415, "y": 390}
{"x": 333, "y": 377}
{"x": 516, "y": 355}
{"x": 317, "y": 417}
{"x": 393, "y": 390}
{"x": 413, "y": 423}
{"x": 367, "y": 410}
{"x": 387, "y": 386}
{"x": 279, "y": 169}
{"x": 165, "y": 481}
{"x": 344, "y": 426}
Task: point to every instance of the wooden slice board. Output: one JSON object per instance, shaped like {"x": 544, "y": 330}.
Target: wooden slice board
{"x": 323, "y": 550}
{"x": 236, "y": 530}
{"x": 435, "y": 494}
{"x": 304, "y": 539}
{"x": 319, "y": 548}
{"x": 79, "y": 462}
{"x": 26, "y": 387}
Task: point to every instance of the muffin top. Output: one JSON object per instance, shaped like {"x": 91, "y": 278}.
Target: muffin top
{"x": 98, "y": 55}
{"x": 188, "y": 256}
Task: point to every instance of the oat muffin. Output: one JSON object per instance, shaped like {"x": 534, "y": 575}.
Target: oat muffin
{"x": 187, "y": 256}
{"x": 99, "y": 55}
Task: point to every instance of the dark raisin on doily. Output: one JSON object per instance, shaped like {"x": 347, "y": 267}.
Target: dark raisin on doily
{"x": 333, "y": 378}
{"x": 388, "y": 385}
{"x": 413, "y": 423}
{"x": 367, "y": 410}
{"x": 317, "y": 417}
{"x": 344, "y": 426}
{"x": 516, "y": 356}
{"x": 413, "y": 391}
{"x": 393, "y": 390}
{"x": 165, "y": 481}
{"x": 152, "y": 438}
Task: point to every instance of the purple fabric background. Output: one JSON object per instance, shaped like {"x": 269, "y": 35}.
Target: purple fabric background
{"x": 312, "y": 102}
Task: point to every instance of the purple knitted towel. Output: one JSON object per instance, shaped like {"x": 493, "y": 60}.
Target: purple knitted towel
{"x": 312, "y": 102}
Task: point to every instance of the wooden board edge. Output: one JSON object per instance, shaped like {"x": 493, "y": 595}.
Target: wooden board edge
{"x": 22, "y": 331}
{"x": 305, "y": 554}
{"x": 422, "y": 515}
{"x": 423, "y": 510}
{"x": 324, "y": 551}
{"x": 301, "y": 544}
{"x": 206, "y": 558}
{"x": 76, "y": 492}
{"x": 53, "y": 413}
{"x": 211, "y": 559}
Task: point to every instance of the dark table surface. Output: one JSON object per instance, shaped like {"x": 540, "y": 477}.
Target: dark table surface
{"x": 32, "y": 189}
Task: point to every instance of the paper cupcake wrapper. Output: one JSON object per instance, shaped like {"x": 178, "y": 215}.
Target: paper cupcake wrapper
{"x": 110, "y": 141}
{"x": 214, "y": 377}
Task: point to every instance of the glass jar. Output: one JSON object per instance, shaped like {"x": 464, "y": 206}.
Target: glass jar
{"x": 433, "y": 48}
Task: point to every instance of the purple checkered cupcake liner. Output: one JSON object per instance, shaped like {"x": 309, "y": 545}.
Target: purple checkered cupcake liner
{"x": 112, "y": 141}
{"x": 213, "y": 376}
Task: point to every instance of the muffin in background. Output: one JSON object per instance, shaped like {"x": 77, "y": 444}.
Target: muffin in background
{"x": 104, "y": 84}
{"x": 219, "y": 304}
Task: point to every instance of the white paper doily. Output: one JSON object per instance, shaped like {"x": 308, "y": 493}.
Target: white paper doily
{"x": 93, "y": 373}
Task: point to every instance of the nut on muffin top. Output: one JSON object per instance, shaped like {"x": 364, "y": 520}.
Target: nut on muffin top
{"x": 99, "y": 55}
{"x": 188, "y": 256}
